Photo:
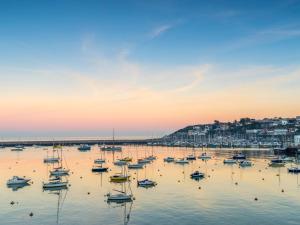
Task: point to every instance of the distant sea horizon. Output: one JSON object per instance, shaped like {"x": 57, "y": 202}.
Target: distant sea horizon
{"x": 70, "y": 138}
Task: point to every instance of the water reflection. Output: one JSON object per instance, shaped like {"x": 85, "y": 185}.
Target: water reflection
{"x": 226, "y": 190}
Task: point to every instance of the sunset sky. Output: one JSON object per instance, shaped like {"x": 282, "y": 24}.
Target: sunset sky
{"x": 80, "y": 68}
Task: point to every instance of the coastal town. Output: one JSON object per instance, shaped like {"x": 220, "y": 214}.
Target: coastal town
{"x": 246, "y": 133}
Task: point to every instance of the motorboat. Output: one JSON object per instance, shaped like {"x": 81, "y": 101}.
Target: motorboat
{"x": 191, "y": 157}
{"x": 119, "y": 178}
{"x": 204, "y": 156}
{"x": 84, "y": 147}
{"x": 229, "y": 161}
{"x": 294, "y": 169}
{"x": 181, "y": 161}
{"x": 99, "y": 161}
{"x": 55, "y": 183}
{"x": 197, "y": 174}
{"x": 245, "y": 163}
{"x": 169, "y": 159}
{"x": 120, "y": 163}
{"x": 99, "y": 169}
{"x": 136, "y": 166}
{"x": 239, "y": 156}
{"x": 277, "y": 163}
{"x": 59, "y": 171}
{"x": 146, "y": 183}
{"x": 15, "y": 180}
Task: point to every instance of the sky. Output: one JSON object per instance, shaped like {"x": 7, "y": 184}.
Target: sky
{"x": 82, "y": 68}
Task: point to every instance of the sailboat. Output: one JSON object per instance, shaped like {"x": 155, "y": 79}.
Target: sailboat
{"x": 99, "y": 160}
{"x": 53, "y": 158}
{"x": 120, "y": 177}
{"x": 55, "y": 183}
{"x": 123, "y": 195}
{"x": 152, "y": 157}
{"x": 60, "y": 170}
{"x": 112, "y": 148}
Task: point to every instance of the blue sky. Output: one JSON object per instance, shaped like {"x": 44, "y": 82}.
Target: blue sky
{"x": 68, "y": 49}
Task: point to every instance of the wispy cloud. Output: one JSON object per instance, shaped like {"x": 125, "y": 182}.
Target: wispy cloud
{"x": 158, "y": 31}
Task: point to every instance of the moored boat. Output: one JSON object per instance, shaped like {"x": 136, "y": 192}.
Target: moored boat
{"x": 181, "y": 161}
{"x": 204, "y": 156}
{"x": 245, "y": 163}
{"x": 99, "y": 169}
{"x": 146, "y": 183}
{"x": 169, "y": 159}
{"x": 136, "y": 166}
{"x": 191, "y": 157}
{"x": 197, "y": 174}
{"x": 15, "y": 180}
{"x": 277, "y": 163}
{"x": 84, "y": 147}
{"x": 239, "y": 156}
{"x": 229, "y": 161}
{"x": 294, "y": 169}
{"x": 99, "y": 161}
{"x": 119, "y": 178}
{"x": 120, "y": 163}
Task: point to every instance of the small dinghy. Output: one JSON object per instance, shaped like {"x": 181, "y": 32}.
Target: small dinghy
{"x": 239, "y": 156}
{"x": 197, "y": 175}
{"x": 229, "y": 161}
{"x": 146, "y": 183}
{"x": 245, "y": 163}
{"x": 136, "y": 166}
{"x": 15, "y": 180}
{"x": 169, "y": 159}
{"x": 99, "y": 169}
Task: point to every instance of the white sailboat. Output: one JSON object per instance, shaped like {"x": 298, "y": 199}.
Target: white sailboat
{"x": 55, "y": 156}
{"x": 112, "y": 148}
{"x": 59, "y": 170}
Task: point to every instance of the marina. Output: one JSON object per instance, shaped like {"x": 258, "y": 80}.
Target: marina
{"x": 200, "y": 188}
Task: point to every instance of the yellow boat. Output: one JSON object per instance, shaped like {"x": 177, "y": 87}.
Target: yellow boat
{"x": 119, "y": 178}
{"x": 126, "y": 159}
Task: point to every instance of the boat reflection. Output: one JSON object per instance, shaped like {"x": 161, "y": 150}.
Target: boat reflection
{"x": 16, "y": 187}
{"x": 61, "y": 197}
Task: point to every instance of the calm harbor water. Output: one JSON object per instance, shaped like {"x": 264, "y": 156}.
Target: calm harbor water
{"x": 225, "y": 196}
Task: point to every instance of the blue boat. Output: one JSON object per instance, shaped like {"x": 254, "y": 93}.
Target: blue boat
{"x": 84, "y": 147}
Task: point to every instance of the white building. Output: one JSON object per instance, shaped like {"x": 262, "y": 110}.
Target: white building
{"x": 297, "y": 140}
